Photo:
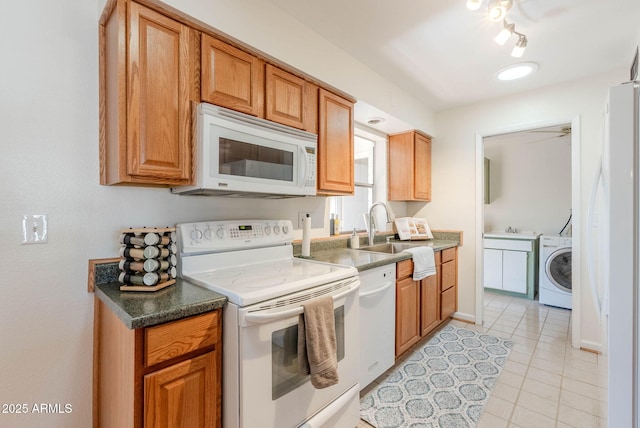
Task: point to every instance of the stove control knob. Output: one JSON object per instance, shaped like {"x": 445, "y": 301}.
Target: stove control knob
{"x": 267, "y": 230}
{"x": 276, "y": 229}
{"x": 285, "y": 230}
{"x": 208, "y": 234}
{"x": 196, "y": 234}
{"x": 220, "y": 233}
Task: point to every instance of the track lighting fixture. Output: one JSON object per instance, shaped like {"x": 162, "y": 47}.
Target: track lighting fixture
{"x": 521, "y": 45}
{"x": 497, "y": 11}
{"x": 474, "y": 4}
{"x": 505, "y": 33}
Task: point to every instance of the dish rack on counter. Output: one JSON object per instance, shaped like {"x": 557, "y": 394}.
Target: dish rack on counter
{"x": 148, "y": 258}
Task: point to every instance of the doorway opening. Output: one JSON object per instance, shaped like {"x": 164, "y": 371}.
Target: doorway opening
{"x": 528, "y": 181}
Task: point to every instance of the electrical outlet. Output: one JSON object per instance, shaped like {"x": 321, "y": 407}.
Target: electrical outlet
{"x": 301, "y": 215}
{"x": 34, "y": 229}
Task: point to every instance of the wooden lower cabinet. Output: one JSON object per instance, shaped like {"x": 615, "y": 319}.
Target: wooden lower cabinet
{"x": 449, "y": 303}
{"x": 179, "y": 395}
{"x": 168, "y": 375}
{"x": 447, "y": 266}
{"x": 423, "y": 305}
{"x": 429, "y": 304}
{"x": 407, "y": 314}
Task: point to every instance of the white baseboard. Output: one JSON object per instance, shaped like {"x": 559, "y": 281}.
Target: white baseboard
{"x": 464, "y": 317}
{"x": 588, "y": 345}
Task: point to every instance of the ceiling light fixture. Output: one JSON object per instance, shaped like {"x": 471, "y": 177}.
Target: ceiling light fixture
{"x": 498, "y": 9}
{"x": 375, "y": 120}
{"x": 474, "y": 4}
{"x": 517, "y": 71}
{"x": 505, "y": 33}
{"x": 521, "y": 45}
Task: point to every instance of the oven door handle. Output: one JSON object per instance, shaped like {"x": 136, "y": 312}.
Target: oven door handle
{"x": 261, "y": 318}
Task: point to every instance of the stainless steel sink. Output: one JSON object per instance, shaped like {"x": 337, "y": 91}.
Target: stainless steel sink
{"x": 390, "y": 248}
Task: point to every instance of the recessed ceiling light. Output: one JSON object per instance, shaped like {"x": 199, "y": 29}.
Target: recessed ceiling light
{"x": 375, "y": 120}
{"x": 517, "y": 71}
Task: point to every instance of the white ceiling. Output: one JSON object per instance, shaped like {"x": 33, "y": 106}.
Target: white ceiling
{"x": 445, "y": 54}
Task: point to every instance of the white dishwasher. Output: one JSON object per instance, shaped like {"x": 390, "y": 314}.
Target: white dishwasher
{"x": 377, "y": 322}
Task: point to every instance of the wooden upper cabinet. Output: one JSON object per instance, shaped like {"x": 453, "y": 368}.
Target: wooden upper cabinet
{"x": 231, "y": 78}
{"x": 285, "y": 97}
{"x": 145, "y": 97}
{"x": 409, "y": 168}
{"x": 311, "y": 108}
{"x": 422, "y": 168}
{"x": 335, "y": 144}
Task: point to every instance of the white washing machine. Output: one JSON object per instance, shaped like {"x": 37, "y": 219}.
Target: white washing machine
{"x": 555, "y": 271}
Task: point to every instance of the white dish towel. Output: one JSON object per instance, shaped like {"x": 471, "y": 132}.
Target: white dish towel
{"x": 424, "y": 263}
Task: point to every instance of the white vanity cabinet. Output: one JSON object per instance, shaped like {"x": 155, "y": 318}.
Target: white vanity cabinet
{"x": 510, "y": 263}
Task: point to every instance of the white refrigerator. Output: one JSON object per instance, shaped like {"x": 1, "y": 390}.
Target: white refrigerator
{"x": 618, "y": 299}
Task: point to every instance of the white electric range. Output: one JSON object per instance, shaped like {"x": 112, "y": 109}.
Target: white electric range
{"x": 252, "y": 263}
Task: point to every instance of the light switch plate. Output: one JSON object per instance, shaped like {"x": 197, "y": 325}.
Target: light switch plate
{"x": 34, "y": 229}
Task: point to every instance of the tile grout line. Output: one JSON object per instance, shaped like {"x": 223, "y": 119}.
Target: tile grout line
{"x": 523, "y": 377}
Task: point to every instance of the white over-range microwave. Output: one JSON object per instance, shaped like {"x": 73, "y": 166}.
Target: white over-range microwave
{"x": 242, "y": 155}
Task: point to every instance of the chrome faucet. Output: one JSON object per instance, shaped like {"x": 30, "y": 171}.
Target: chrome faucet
{"x": 372, "y": 231}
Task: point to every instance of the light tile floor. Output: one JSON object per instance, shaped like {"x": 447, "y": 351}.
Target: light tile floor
{"x": 545, "y": 382}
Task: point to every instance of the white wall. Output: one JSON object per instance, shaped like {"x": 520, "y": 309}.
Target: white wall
{"x": 454, "y": 166}
{"x": 530, "y": 185}
{"x": 49, "y": 165}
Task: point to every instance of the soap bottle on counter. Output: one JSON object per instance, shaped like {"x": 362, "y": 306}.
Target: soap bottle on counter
{"x": 332, "y": 225}
{"x": 336, "y": 225}
{"x": 355, "y": 239}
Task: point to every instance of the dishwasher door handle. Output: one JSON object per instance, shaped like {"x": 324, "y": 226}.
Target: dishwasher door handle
{"x": 377, "y": 290}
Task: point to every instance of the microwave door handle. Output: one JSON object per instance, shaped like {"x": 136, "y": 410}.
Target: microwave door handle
{"x": 303, "y": 171}
{"x": 262, "y": 318}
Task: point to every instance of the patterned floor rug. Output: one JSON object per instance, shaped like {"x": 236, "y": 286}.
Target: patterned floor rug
{"x": 444, "y": 384}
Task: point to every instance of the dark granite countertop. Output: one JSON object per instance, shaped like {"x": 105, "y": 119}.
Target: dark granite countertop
{"x": 141, "y": 309}
{"x": 184, "y": 299}
{"x": 364, "y": 260}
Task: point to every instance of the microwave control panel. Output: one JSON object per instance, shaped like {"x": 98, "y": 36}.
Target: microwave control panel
{"x": 310, "y": 179}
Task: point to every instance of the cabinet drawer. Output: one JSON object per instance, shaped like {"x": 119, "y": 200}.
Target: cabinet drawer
{"x": 448, "y": 254}
{"x": 448, "y": 275}
{"x": 449, "y": 302}
{"x": 166, "y": 341}
{"x": 404, "y": 269}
